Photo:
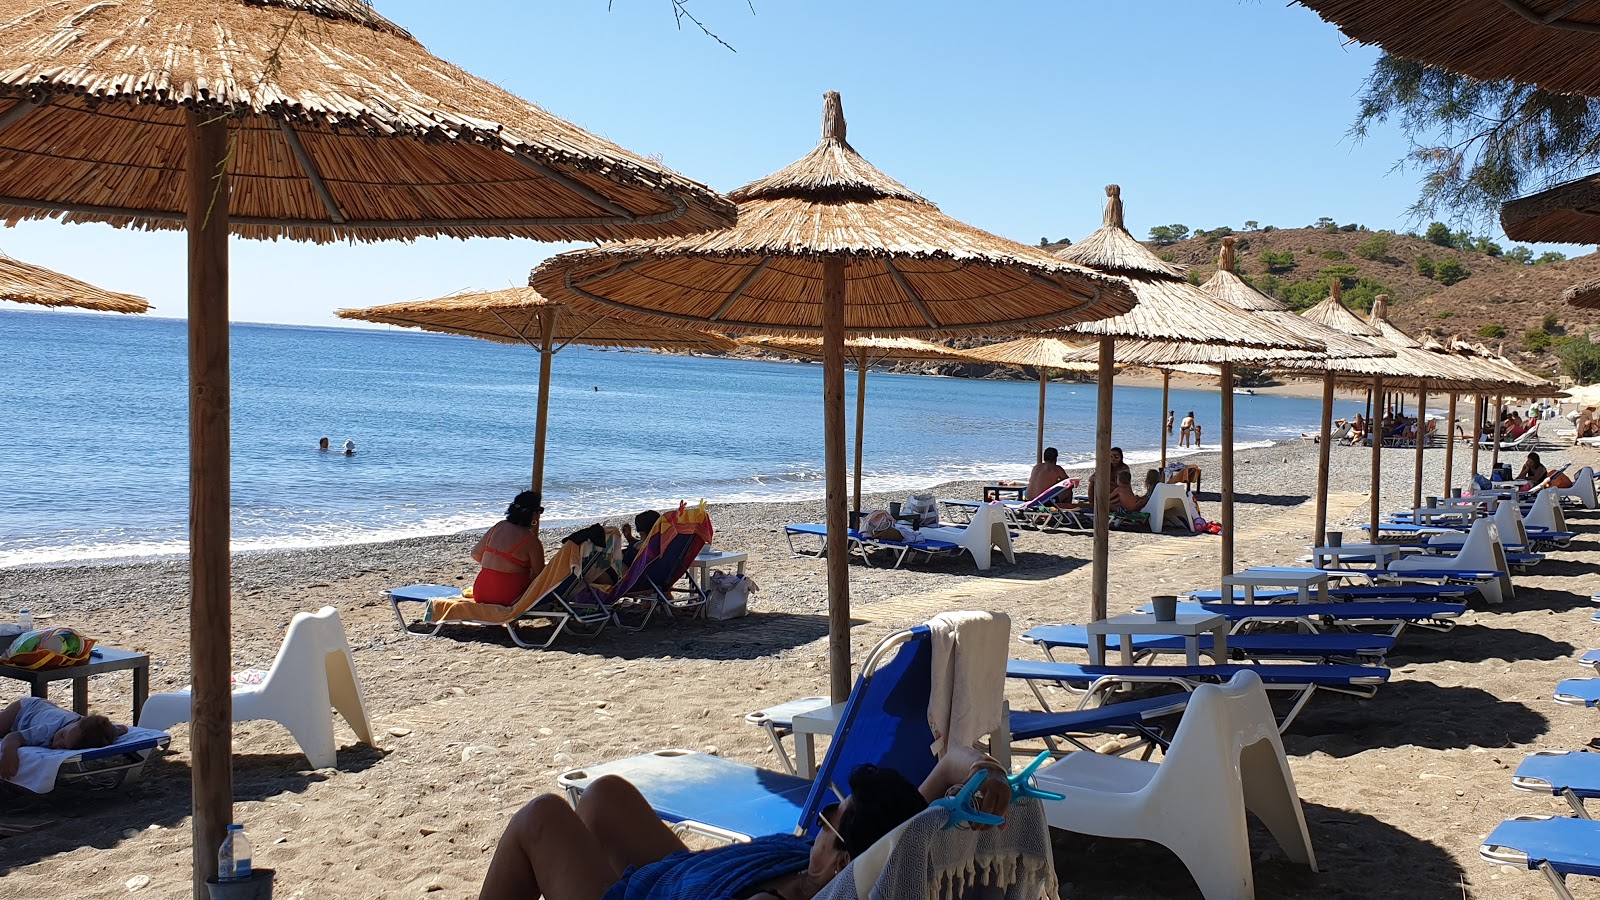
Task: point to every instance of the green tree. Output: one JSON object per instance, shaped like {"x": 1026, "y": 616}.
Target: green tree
{"x": 1277, "y": 262}
{"x": 1520, "y": 255}
{"x": 1425, "y": 266}
{"x": 1485, "y": 246}
{"x": 1439, "y": 233}
{"x": 1449, "y": 271}
{"x": 1549, "y": 256}
{"x": 1551, "y": 323}
{"x": 1334, "y": 254}
{"x": 1325, "y": 224}
{"x": 1478, "y": 143}
{"x": 1375, "y": 247}
{"x": 1579, "y": 358}
{"x": 1161, "y": 235}
{"x": 1536, "y": 340}
{"x": 1251, "y": 224}
{"x": 1491, "y": 332}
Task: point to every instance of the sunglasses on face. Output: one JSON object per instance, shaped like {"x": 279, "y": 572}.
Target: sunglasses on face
{"x": 824, "y": 821}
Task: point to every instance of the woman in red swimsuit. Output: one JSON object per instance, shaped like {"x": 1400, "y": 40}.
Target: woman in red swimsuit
{"x": 510, "y": 553}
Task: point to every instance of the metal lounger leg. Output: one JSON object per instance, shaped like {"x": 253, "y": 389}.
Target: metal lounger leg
{"x": 1576, "y": 802}
{"x": 1558, "y": 881}
{"x": 558, "y": 625}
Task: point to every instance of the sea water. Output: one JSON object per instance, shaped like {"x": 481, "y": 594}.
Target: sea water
{"x": 94, "y": 446}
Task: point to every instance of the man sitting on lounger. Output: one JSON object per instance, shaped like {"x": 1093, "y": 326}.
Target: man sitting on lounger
{"x": 36, "y": 722}
{"x": 614, "y": 846}
{"x": 1045, "y": 475}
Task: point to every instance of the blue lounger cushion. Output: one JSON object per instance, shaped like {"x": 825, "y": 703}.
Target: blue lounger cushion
{"x": 1576, "y": 691}
{"x": 1352, "y": 592}
{"x": 1574, "y": 771}
{"x": 1469, "y": 574}
{"x": 1569, "y": 846}
{"x": 1295, "y": 645}
{"x": 1321, "y": 675}
{"x": 1112, "y": 717}
{"x": 929, "y": 545}
{"x": 422, "y": 593}
{"x": 1592, "y": 658}
{"x": 682, "y": 785}
{"x": 1378, "y": 610}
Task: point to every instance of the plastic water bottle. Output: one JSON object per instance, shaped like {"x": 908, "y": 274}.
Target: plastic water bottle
{"x": 233, "y": 857}
{"x": 25, "y": 619}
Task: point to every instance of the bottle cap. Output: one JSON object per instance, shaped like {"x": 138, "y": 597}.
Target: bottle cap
{"x": 235, "y": 827}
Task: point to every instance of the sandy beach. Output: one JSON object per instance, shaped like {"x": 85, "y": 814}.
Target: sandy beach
{"x": 1398, "y": 790}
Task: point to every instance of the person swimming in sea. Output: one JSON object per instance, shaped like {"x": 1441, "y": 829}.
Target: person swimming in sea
{"x": 349, "y": 448}
{"x": 322, "y": 445}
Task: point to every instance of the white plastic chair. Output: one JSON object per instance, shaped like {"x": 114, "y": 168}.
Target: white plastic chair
{"x": 1480, "y": 553}
{"x": 1582, "y": 489}
{"x": 1545, "y": 513}
{"x": 1507, "y": 520}
{"x": 1166, "y": 495}
{"x": 986, "y": 532}
{"x": 1226, "y": 758}
{"x": 313, "y": 672}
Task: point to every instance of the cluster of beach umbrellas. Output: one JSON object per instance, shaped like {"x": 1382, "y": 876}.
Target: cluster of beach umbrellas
{"x": 281, "y": 119}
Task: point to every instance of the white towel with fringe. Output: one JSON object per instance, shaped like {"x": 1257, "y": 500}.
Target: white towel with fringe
{"x": 922, "y": 860}
{"x": 969, "y": 676}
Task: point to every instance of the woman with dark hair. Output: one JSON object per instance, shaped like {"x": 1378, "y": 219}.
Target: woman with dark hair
{"x": 615, "y": 847}
{"x": 510, "y": 553}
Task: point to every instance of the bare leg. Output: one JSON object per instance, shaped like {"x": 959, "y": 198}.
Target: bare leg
{"x": 622, "y": 821}
{"x": 546, "y": 851}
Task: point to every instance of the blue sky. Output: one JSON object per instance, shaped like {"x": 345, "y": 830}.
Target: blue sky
{"x": 1009, "y": 115}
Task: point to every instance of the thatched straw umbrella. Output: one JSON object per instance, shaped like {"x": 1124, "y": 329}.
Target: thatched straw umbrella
{"x": 283, "y": 119}
{"x": 22, "y": 282}
{"x": 830, "y": 244}
{"x": 1175, "y": 323}
{"x": 863, "y": 353}
{"x": 1043, "y": 353}
{"x": 1228, "y": 286}
{"x": 521, "y": 316}
{"x": 1560, "y": 214}
{"x": 1551, "y": 43}
{"x": 1584, "y": 295}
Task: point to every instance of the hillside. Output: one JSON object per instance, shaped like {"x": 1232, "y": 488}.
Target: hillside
{"x": 1296, "y": 264}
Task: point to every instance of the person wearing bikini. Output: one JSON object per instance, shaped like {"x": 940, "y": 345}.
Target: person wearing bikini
{"x": 510, "y": 553}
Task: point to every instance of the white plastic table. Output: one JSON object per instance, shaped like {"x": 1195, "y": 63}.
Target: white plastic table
{"x": 1424, "y": 515}
{"x": 806, "y": 727}
{"x": 1250, "y": 579}
{"x": 1382, "y": 554}
{"x": 709, "y": 558}
{"x": 1189, "y": 625}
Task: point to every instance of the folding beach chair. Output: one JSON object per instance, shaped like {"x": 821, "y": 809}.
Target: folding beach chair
{"x": 1300, "y": 681}
{"x": 1553, "y": 846}
{"x": 884, "y": 722}
{"x": 928, "y": 548}
{"x": 678, "y": 536}
{"x": 1040, "y": 512}
{"x": 40, "y": 769}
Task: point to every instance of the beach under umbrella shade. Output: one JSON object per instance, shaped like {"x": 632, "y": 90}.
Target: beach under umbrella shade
{"x": 863, "y": 353}
{"x": 283, "y": 119}
{"x": 521, "y": 316}
{"x": 830, "y": 245}
{"x": 1174, "y": 323}
{"x": 1043, "y": 353}
{"x": 22, "y": 282}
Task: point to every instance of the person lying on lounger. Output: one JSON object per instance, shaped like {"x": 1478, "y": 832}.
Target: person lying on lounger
{"x": 36, "y": 722}
{"x": 614, "y": 846}
{"x": 644, "y": 522}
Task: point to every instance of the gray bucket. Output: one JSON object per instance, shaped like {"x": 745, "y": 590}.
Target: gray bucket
{"x": 257, "y": 887}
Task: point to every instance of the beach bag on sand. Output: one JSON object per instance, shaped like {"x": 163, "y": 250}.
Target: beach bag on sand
{"x": 728, "y": 596}
{"x": 923, "y": 506}
{"x": 879, "y": 524}
{"x": 48, "y": 648}
{"x": 1560, "y": 480}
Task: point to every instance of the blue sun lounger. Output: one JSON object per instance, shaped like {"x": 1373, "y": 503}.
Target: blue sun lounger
{"x": 1364, "y": 592}
{"x": 1129, "y": 717}
{"x": 1573, "y": 775}
{"x": 865, "y": 545}
{"x": 884, "y": 721}
{"x": 118, "y": 763}
{"x": 1554, "y": 846}
{"x": 1590, "y": 659}
{"x": 1395, "y": 615}
{"x": 1040, "y": 512}
{"x": 1317, "y": 647}
{"x": 1301, "y": 680}
{"x": 1579, "y": 692}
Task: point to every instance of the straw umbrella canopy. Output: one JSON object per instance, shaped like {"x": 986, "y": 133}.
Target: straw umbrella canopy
{"x": 22, "y": 282}
{"x": 862, "y": 352}
{"x": 1043, "y": 353}
{"x": 521, "y": 316}
{"x": 273, "y": 119}
{"x": 1551, "y": 43}
{"x": 1584, "y": 295}
{"x": 1174, "y": 323}
{"x": 832, "y": 245}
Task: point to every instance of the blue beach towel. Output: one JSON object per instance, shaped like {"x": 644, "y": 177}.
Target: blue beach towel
{"x": 717, "y": 874}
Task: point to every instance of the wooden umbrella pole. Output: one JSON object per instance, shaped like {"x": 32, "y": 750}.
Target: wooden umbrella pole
{"x": 1499, "y": 429}
{"x": 1323, "y": 452}
{"x": 861, "y": 423}
{"x": 1422, "y": 443}
{"x": 1450, "y": 445}
{"x": 1477, "y": 429}
{"x": 1038, "y": 456}
{"x": 1227, "y": 468}
{"x": 838, "y": 550}
{"x": 1376, "y": 433}
{"x": 1166, "y": 380}
{"x": 210, "y": 607}
{"x": 547, "y": 333}
{"x": 1101, "y": 552}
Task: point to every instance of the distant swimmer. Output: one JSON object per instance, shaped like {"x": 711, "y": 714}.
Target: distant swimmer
{"x": 349, "y": 448}
{"x": 322, "y": 444}
{"x": 597, "y": 389}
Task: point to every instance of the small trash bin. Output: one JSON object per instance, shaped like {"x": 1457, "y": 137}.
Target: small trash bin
{"x": 257, "y": 887}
